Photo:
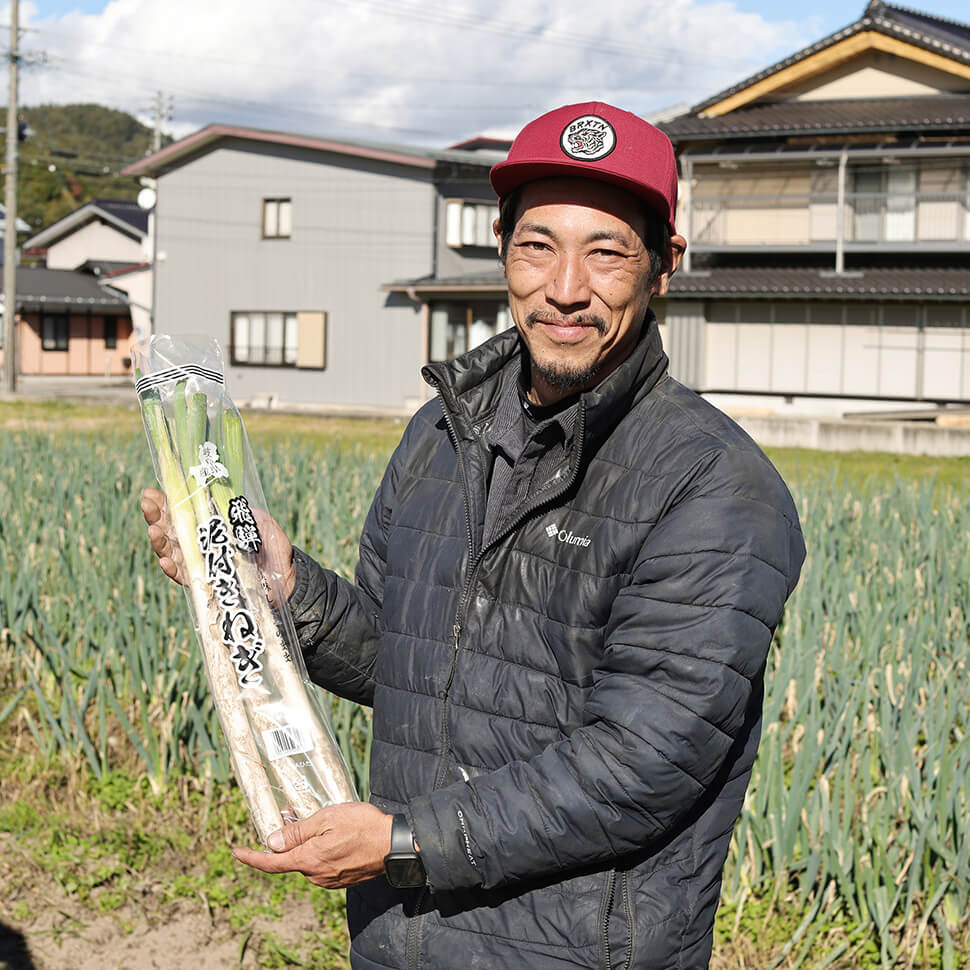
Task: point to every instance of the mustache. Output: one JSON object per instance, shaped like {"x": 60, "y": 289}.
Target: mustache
{"x": 575, "y": 320}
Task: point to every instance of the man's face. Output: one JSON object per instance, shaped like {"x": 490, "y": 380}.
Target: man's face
{"x": 578, "y": 273}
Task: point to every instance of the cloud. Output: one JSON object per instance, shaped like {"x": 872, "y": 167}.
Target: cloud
{"x": 394, "y": 70}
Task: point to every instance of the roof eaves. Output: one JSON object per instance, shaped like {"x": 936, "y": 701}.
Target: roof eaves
{"x": 175, "y": 154}
{"x": 922, "y": 38}
{"x": 76, "y": 219}
{"x": 931, "y": 18}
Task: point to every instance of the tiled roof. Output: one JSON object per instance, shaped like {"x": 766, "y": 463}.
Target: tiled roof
{"x": 940, "y": 113}
{"x": 788, "y": 282}
{"x": 758, "y": 283}
{"x": 490, "y": 280}
{"x": 63, "y": 289}
{"x": 127, "y": 211}
{"x": 947, "y": 37}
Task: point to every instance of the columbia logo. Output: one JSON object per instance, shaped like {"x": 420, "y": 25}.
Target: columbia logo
{"x": 554, "y": 532}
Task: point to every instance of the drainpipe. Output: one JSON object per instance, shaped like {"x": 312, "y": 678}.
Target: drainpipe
{"x": 840, "y": 216}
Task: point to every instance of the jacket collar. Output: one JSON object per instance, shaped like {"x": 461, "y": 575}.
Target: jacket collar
{"x": 470, "y": 386}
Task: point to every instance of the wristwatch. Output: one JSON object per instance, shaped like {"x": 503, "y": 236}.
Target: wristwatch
{"x": 402, "y": 865}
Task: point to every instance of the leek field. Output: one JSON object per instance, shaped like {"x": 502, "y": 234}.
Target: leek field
{"x": 853, "y": 850}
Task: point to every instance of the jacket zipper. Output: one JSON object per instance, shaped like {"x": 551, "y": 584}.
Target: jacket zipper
{"x": 605, "y": 911}
{"x": 416, "y": 925}
{"x": 631, "y": 916}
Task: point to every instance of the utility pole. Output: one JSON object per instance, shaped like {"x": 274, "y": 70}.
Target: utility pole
{"x": 162, "y": 108}
{"x": 10, "y": 221}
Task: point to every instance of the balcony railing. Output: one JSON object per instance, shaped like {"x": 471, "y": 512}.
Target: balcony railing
{"x": 869, "y": 218}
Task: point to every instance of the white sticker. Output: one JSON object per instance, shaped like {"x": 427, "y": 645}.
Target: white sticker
{"x": 281, "y": 742}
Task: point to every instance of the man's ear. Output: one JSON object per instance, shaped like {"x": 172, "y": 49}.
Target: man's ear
{"x": 497, "y": 233}
{"x": 678, "y": 246}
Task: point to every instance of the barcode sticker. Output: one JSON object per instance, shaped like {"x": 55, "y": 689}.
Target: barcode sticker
{"x": 283, "y": 741}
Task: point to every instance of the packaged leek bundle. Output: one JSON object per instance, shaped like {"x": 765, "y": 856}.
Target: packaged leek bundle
{"x": 283, "y": 751}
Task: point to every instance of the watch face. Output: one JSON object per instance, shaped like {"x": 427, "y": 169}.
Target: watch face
{"x": 404, "y": 871}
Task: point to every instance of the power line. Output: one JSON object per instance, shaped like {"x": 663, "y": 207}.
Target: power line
{"x": 443, "y": 17}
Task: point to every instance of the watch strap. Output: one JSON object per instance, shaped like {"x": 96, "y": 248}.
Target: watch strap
{"x": 402, "y": 838}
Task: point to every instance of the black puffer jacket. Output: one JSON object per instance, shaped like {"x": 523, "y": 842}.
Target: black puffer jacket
{"x": 568, "y": 716}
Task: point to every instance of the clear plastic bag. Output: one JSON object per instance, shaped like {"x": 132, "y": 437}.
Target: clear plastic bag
{"x": 282, "y": 746}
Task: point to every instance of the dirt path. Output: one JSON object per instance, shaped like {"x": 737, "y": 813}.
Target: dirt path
{"x": 188, "y": 937}
{"x": 45, "y": 925}
{"x": 62, "y": 936}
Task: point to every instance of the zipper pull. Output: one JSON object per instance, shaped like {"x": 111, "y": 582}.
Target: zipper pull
{"x": 457, "y": 632}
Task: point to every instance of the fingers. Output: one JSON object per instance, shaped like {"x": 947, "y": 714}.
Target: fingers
{"x": 276, "y": 556}
{"x": 154, "y": 509}
{"x": 273, "y": 862}
{"x": 152, "y": 505}
{"x": 295, "y": 834}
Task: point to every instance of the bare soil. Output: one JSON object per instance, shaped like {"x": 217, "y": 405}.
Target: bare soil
{"x": 44, "y": 926}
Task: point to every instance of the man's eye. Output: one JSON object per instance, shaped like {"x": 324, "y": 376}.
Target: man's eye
{"x": 606, "y": 252}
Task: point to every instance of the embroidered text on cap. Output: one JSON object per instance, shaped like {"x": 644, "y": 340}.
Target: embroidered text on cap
{"x": 588, "y": 138}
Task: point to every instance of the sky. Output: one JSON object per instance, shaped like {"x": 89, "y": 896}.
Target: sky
{"x": 404, "y": 71}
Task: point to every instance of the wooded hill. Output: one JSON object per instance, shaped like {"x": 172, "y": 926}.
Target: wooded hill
{"x": 73, "y": 153}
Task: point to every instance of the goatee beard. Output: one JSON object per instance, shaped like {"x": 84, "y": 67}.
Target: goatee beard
{"x": 560, "y": 375}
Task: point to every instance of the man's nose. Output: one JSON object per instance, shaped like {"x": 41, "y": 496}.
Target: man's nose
{"x": 569, "y": 284}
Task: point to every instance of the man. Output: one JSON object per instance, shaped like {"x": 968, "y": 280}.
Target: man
{"x": 568, "y": 583}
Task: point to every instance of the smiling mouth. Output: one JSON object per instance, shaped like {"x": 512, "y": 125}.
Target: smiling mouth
{"x": 570, "y": 328}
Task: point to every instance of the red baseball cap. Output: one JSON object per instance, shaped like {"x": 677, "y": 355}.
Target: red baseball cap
{"x": 594, "y": 140}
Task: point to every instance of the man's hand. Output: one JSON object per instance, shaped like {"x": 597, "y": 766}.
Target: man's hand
{"x": 339, "y": 846}
{"x": 275, "y": 557}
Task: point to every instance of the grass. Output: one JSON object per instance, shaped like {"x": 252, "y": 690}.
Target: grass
{"x": 852, "y": 852}
{"x": 857, "y": 467}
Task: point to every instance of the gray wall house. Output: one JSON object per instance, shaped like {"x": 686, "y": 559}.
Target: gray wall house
{"x": 281, "y": 246}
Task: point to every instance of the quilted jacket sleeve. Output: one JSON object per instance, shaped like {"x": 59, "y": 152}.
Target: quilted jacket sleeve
{"x": 338, "y": 622}
{"x": 684, "y": 657}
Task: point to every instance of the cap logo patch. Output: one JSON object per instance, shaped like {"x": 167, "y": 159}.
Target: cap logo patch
{"x": 588, "y": 139}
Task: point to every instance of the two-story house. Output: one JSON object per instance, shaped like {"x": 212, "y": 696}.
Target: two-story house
{"x": 826, "y": 200}
{"x": 281, "y": 246}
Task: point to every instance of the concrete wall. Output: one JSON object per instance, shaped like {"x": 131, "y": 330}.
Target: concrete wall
{"x": 95, "y": 240}
{"x": 357, "y": 224}
{"x": 906, "y": 438}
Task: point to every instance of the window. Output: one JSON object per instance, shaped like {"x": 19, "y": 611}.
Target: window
{"x": 54, "y": 328}
{"x": 469, "y": 223}
{"x": 884, "y": 203}
{"x": 110, "y": 333}
{"x": 457, "y": 327}
{"x": 278, "y": 339}
{"x": 277, "y": 218}
{"x": 265, "y": 339}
